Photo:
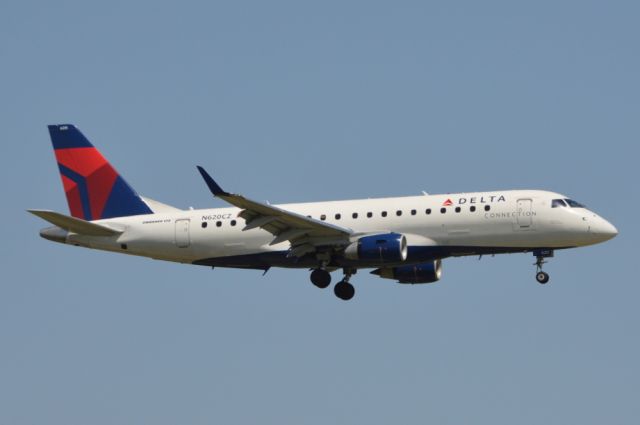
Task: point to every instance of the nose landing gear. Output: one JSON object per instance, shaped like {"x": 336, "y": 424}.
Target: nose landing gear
{"x": 542, "y": 277}
{"x": 540, "y": 255}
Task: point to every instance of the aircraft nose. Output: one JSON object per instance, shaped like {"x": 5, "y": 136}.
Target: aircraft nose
{"x": 604, "y": 230}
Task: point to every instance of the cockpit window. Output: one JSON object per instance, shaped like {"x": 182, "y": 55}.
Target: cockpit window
{"x": 574, "y": 204}
{"x": 558, "y": 203}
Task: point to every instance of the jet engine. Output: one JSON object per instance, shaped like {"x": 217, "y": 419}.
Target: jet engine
{"x": 417, "y": 273}
{"x": 383, "y": 248}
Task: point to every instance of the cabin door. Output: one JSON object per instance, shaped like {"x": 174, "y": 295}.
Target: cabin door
{"x": 182, "y": 233}
{"x": 524, "y": 217}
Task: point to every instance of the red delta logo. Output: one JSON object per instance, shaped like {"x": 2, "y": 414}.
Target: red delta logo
{"x": 483, "y": 199}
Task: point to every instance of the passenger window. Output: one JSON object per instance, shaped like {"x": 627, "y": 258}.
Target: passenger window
{"x": 457, "y": 209}
{"x": 384, "y": 213}
{"x": 233, "y": 222}
{"x": 354, "y": 215}
{"x": 369, "y": 214}
{"x": 428, "y": 211}
{"x": 413, "y": 212}
{"x": 443, "y": 210}
{"x": 204, "y": 224}
{"x": 398, "y": 213}
{"x": 487, "y": 207}
{"x": 218, "y": 223}
{"x": 323, "y": 217}
{"x": 557, "y": 203}
{"x": 338, "y": 216}
{"x": 472, "y": 208}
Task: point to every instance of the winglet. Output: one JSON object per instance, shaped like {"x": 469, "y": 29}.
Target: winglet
{"x": 213, "y": 186}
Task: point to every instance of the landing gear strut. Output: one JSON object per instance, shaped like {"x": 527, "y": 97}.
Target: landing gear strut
{"x": 540, "y": 255}
{"x": 343, "y": 289}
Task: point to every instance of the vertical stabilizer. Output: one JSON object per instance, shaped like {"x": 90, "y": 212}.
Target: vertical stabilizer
{"x": 94, "y": 189}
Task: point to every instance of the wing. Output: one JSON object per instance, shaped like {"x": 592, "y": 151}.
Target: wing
{"x": 304, "y": 233}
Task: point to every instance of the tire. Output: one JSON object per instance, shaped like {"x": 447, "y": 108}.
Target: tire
{"x": 542, "y": 277}
{"x": 344, "y": 290}
{"x": 320, "y": 278}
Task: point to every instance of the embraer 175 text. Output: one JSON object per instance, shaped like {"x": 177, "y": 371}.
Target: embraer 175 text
{"x": 400, "y": 238}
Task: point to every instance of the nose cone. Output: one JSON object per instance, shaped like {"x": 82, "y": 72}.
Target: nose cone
{"x": 603, "y": 230}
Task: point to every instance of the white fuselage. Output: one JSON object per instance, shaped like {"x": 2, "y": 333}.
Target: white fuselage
{"x": 457, "y": 224}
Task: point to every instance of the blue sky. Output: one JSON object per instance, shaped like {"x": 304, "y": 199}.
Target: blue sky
{"x": 299, "y": 101}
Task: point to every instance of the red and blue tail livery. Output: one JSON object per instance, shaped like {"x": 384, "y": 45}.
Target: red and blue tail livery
{"x": 94, "y": 189}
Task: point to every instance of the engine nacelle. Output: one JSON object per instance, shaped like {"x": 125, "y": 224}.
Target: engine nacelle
{"x": 417, "y": 273}
{"x": 383, "y": 248}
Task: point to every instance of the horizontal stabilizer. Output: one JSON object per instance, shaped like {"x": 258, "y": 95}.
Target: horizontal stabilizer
{"x": 75, "y": 225}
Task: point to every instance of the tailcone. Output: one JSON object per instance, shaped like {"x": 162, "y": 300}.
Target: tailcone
{"x": 54, "y": 233}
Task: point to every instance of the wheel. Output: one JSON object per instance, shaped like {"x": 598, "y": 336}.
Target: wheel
{"x": 344, "y": 290}
{"x": 542, "y": 277}
{"x": 320, "y": 278}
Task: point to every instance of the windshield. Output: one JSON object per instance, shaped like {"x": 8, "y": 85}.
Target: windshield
{"x": 557, "y": 203}
{"x": 574, "y": 204}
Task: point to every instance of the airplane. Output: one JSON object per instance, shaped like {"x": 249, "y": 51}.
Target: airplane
{"x": 402, "y": 238}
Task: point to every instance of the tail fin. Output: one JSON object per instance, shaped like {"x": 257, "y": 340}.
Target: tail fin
{"x": 94, "y": 188}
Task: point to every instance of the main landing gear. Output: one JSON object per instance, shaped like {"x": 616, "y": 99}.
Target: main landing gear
{"x": 343, "y": 289}
{"x": 540, "y": 255}
{"x": 321, "y": 278}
